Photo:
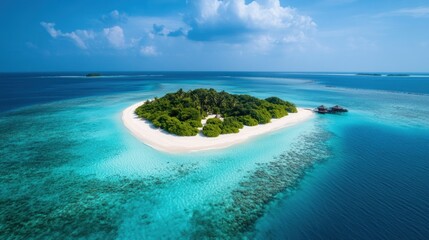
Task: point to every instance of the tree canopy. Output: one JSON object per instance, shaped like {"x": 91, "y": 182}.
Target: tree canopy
{"x": 180, "y": 113}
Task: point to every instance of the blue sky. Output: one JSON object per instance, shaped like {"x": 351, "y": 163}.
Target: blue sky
{"x": 212, "y": 35}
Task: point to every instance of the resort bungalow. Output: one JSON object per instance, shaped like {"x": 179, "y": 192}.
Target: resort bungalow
{"x": 322, "y": 109}
{"x": 337, "y": 108}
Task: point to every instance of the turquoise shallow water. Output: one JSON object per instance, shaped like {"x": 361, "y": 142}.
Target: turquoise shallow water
{"x": 70, "y": 169}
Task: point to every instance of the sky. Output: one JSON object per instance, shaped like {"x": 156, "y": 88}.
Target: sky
{"x": 215, "y": 35}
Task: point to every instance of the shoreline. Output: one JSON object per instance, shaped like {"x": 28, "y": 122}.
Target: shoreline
{"x": 166, "y": 142}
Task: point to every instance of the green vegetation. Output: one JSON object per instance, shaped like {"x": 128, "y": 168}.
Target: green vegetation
{"x": 369, "y": 74}
{"x": 397, "y": 75}
{"x": 212, "y": 130}
{"x": 93, "y": 75}
{"x": 248, "y": 120}
{"x": 214, "y": 126}
{"x": 181, "y": 113}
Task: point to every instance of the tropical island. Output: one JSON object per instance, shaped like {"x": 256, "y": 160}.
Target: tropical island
{"x": 203, "y": 119}
{"x": 181, "y": 113}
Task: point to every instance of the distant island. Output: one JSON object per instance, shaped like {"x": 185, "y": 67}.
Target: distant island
{"x": 369, "y": 74}
{"x": 383, "y": 75}
{"x": 93, "y": 75}
{"x": 184, "y": 113}
{"x": 398, "y": 75}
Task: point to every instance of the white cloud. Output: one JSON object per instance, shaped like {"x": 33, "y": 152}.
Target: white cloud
{"x": 114, "y": 14}
{"x": 50, "y": 28}
{"x": 78, "y": 37}
{"x": 416, "y": 12}
{"x": 114, "y": 17}
{"x": 148, "y": 51}
{"x": 240, "y": 24}
{"x": 162, "y": 26}
{"x": 115, "y": 36}
{"x": 162, "y": 30}
{"x": 78, "y": 41}
{"x": 235, "y": 20}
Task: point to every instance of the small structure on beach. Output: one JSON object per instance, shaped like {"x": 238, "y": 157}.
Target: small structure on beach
{"x": 322, "y": 109}
{"x": 335, "y": 109}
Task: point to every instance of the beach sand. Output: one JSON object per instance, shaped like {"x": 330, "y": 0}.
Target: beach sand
{"x": 163, "y": 141}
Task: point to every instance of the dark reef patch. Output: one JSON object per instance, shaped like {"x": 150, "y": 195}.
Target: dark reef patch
{"x": 235, "y": 217}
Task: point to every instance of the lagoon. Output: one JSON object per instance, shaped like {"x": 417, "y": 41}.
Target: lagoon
{"x": 69, "y": 168}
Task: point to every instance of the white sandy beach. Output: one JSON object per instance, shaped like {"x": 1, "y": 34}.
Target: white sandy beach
{"x": 163, "y": 141}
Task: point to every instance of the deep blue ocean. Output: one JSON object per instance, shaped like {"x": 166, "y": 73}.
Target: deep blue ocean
{"x": 70, "y": 169}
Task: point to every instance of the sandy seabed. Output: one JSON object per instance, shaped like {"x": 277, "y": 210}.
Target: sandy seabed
{"x": 163, "y": 141}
